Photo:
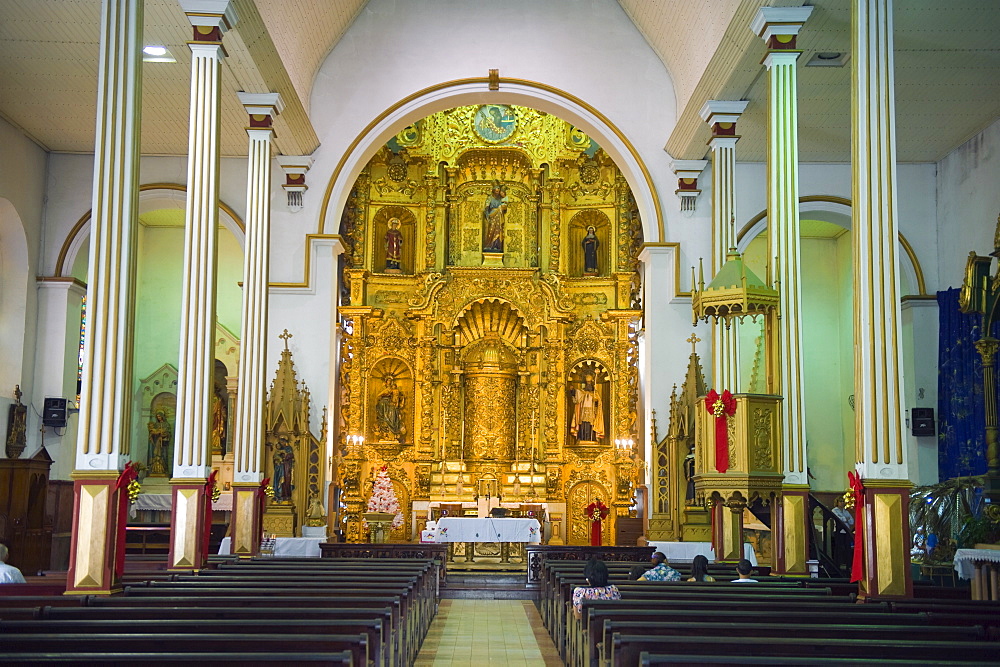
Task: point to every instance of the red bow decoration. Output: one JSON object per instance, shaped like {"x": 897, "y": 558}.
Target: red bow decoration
{"x": 721, "y": 407}
{"x": 857, "y": 565}
{"x": 209, "y": 487}
{"x": 596, "y": 512}
{"x": 126, "y": 477}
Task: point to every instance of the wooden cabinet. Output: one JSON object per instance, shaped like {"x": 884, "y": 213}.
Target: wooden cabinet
{"x": 24, "y": 526}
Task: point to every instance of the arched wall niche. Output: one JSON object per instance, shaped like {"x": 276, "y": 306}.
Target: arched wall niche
{"x": 476, "y": 91}
{"x": 152, "y": 197}
{"x": 837, "y": 210}
{"x": 13, "y": 294}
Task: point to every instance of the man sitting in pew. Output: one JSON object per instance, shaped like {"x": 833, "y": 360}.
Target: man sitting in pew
{"x": 744, "y": 568}
{"x": 660, "y": 570}
{"x": 8, "y": 573}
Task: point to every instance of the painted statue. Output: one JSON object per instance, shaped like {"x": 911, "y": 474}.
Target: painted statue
{"x": 494, "y": 217}
{"x": 588, "y": 414}
{"x": 284, "y": 462}
{"x": 159, "y": 442}
{"x": 389, "y": 410}
{"x": 590, "y": 246}
{"x": 393, "y": 247}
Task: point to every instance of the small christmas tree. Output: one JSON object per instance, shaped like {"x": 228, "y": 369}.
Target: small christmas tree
{"x": 383, "y": 498}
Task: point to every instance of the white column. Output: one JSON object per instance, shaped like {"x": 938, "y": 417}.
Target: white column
{"x": 778, "y": 27}
{"x": 194, "y": 378}
{"x": 722, "y": 117}
{"x": 192, "y": 434}
{"x": 105, "y": 411}
{"x": 880, "y": 446}
{"x": 57, "y": 359}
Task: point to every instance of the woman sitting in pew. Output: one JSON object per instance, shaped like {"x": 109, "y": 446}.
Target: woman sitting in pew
{"x": 597, "y": 588}
{"x": 699, "y": 569}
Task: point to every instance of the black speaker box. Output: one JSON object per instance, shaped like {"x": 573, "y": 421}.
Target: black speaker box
{"x": 54, "y": 412}
{"x": 922, "y": 421}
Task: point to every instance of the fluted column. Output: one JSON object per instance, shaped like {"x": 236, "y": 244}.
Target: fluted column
{"x": 105, "y": 406}
{"x": 188, "y": 527}
{"x": 252, "y": 392}
{"x": 722, "y": 117}
{"x": 880, "y": 444}
{"x": 778, "y": 27}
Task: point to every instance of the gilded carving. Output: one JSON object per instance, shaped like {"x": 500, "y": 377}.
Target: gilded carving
{"x": 762, "y": 437}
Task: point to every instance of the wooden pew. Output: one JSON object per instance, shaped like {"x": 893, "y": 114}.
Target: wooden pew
{"x": 778, "y": 630}
{"x": 169, "y": 658}
{"x": 649, "y": 659}
{"x": 627, "y": 648}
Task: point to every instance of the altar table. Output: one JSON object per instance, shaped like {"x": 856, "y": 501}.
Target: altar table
{"x": 983, "y": 567}
{"x": 288, "y": 546}
{"x": 488, "y": 529}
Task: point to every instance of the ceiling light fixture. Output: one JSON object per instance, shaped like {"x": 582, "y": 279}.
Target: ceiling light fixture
{"x": 827, "y": 59}
{"x": 154, "y": 53}
{"x": 155, "y": 50}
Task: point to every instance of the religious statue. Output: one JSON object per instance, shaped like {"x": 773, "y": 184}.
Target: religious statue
{"x": 284, "y": 462}
{"x": 494, "y": 217}
{"x": 588, "y": 413}
{"x": 389, "y": 410}
{"x": 315, "y": 515}
{"x": 218, "y": 423}
{"x": 159, "y": 442}
{"x": 393, "y": 247}
{"x": 689, "y": 476}
{"x": 590, "y": 245}
{"x": 16, "y": 426}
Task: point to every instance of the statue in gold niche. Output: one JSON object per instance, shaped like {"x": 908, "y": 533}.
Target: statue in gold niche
{"x": 389, "y": 408}
{"x": 590, "y": 245}
{"x": 494, "y": 217}
{"x": 159, "y": 441}
{"x": 587, "y": 424}
{"x": 393, "y": 247}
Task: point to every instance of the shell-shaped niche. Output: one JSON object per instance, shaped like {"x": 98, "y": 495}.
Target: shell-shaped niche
{"x": 491, "y": 316}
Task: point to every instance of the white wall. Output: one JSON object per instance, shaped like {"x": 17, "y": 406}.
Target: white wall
{"x": 968, "y": 203}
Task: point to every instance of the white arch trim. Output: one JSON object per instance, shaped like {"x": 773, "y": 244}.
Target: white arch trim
{"x": 839, "y": 214}
{"x": 476, "y": 91}
{"x": 13, "y": 293}
{"x": 151, "y": 198}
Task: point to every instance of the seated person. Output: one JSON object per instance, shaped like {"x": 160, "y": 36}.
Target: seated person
{"x": 699, "y": 569}
{"x": 8, "y": 573}
{"x": 660, "y": 570}
{"x": 636, "y": 572}
{"x": 597, "y": 588}
{"x": 744, "y": 568}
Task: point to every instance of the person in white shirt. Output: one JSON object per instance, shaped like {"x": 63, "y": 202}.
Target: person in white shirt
{"x": 744, "y": 568}
{"x": 8, "y": 573}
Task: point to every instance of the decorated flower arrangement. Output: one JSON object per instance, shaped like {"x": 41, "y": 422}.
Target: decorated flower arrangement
{"x": 383, "y": 498}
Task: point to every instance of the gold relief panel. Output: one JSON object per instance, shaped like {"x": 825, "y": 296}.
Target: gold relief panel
{"x": 490, "y": 423}
{"x": 762, "y": 438}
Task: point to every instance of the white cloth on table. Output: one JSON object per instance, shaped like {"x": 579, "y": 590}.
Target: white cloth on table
{"x": 686, "y": 551}
{"x": 160, "y": 502}
{"x": 488, "y": 529}
{"x": 965, "y": 560}
{"x": 288, "y": 546}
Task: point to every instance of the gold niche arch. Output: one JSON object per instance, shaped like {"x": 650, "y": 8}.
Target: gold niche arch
{"x": 460, "y": 370}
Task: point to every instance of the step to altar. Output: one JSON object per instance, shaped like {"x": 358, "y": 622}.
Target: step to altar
{"x": 487, "y": 584}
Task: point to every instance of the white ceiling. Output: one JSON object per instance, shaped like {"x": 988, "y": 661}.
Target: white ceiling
{"x": 947, "y": 71}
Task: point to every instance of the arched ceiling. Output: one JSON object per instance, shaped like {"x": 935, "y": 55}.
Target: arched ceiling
{"x": 947, "y": 56}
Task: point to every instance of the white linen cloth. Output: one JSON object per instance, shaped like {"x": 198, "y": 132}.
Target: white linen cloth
{"x": 965, "y": 560}
{"x": 488, "y": 529}
{"x": 288, "y": 546}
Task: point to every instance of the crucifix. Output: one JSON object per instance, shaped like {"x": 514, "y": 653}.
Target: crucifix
{"x": 285, "y": 336}
{"x": 694, "y": 340}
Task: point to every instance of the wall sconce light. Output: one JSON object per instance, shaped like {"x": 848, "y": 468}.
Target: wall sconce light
{"x": 355, "y": 440}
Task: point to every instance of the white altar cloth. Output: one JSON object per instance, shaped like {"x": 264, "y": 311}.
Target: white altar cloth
{"x": 287, "y": 546}
{"x": 488, "y": 529}
{"x": 965, "y": 560}
{"x": 160, "y": 502}
{"x": 686, "y": 551}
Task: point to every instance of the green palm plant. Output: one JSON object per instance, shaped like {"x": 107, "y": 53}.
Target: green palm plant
{"x": 951, "y": 510}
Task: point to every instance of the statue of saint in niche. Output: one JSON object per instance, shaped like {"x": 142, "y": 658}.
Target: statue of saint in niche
{"x": 587, "y": 424}
{"x": 590, "y": 246}
{"x": 494, "y": 217}
{"x": 284, "y": 462}
{"x": 219, "y": 418}
{"x": 159, "y": 442}
{"x": 393, "y": 247}
{"x": 389, "y": 405}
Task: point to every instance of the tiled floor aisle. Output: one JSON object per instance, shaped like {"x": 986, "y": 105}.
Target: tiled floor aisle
{"x": 488, "y": 632}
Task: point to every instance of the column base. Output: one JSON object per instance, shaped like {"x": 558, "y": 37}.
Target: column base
{"x": 790, "y": 531}
{"x": 188, "y": 534}
{"x": 886, "y": 534}
{"x": 95, "y": 538}
{"x": 729, "y": 529}
{"x": 245, "y": 527}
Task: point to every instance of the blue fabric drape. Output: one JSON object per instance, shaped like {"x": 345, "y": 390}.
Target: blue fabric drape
{"x": 961, "y": 411}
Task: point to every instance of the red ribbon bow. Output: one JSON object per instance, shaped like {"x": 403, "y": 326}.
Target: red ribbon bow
{"x": 126, "y": 477}
{"x": 262, "y": 492}
{"x": 721, "y": 406}
{"x": 857, "y": 565}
